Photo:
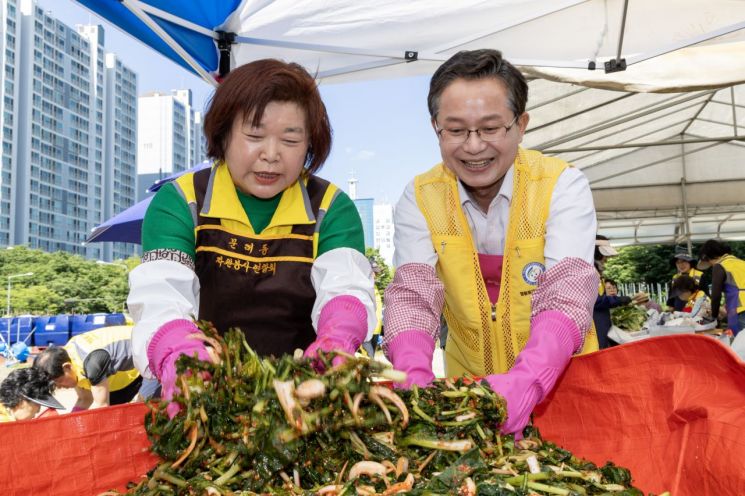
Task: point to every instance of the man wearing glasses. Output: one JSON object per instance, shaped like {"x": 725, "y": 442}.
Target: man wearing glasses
{"x": 497, "y": 238}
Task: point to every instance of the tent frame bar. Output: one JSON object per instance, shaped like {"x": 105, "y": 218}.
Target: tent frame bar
{"x": 575, "y": 114}
{"x": 734, "y": 109}
{"x": 664, "y": 238}
{"x": 630, "y": 140}
{"x": 695, "y": 40}
{"x": 622, "y": 30}
{"x": 695, "y": 116}
{"x": 623, "y": 118}
{"x": 134, "y": 6}
{"x": 684, "y": 194}
{"x": 668, "y": 184}
{"x": 675, "y": 110}
{"x": 650, "y": 164}
{"x": 358, "y": 67}
{"x": 167, "y": 16}
{"x": 719, "y": 226}
{"x": 718, "y": 139}
{"x": 398, "y": 55}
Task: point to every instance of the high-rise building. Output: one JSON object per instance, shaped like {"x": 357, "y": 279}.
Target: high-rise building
{"x": 69, "y": 133}
{"x": 383, "y": 217}
{"x": 365, "y": 209}
{"x": 170, "y": 133}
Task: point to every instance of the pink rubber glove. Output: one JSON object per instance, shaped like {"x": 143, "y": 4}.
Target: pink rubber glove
{"x": 411, "y": 351}
{"x": 553, "y": 339}
{"x": 342, "y": 326}
{"x": 166, "y": 345}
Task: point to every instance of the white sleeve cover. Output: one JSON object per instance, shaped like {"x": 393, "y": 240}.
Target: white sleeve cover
{"x": 344, "y": 271}
{"x": 160, "y": 291}
{"x": 571, "y": 223}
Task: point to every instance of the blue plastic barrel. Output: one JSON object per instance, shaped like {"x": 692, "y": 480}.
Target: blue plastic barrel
{"x": 95, "y": 320}
{"x": 20, "y": 328}
{"x": 115, "y": 319}
{"x": 56, "y": 331}
{"x": 78, "y": 325}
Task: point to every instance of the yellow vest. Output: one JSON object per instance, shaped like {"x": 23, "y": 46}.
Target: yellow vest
{"x": 735, "y": 278}
{"x": 5, "y": 415}
{"x": 225, "y": 205}
{"x": 117, "y": 341}
{"x": 695, "y": 274}
{"x": 485, "y": 339}
{"x": 378, "y": 312}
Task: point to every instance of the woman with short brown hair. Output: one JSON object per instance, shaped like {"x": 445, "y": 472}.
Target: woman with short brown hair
{"x": 257, "y": 241}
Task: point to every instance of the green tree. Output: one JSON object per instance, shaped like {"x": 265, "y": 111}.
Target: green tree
{"x": 641, "y": 263}
{"x": 654, "y": 263}
{"x": 63, "y": 282}
{"x": 386, "y": 273}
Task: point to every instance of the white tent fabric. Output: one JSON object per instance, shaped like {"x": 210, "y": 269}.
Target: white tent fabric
{"x": 557, "y": 39}
{"x": 645, "y": 190}
{"x": 664, "y": 152}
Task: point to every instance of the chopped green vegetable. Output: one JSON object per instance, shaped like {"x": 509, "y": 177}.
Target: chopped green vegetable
{"x": 276, "y": 426}
{"x": 629, "y": 318}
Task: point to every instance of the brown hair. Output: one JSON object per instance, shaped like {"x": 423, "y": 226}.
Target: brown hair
{"x": 685, "y": 283}
{"x": 248, "y": 89}
{"x": 479, "y": 64}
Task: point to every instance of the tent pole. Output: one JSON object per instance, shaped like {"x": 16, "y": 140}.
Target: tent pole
{"x": 176, "y": 47}
{"x": 734, "y": 107}
{"x": 685, "y": 197}
{"x": 556, "y": 99}
{"x": 575, "y": 114}
{"x": 623, "y": 118}
{"x": 167, "y": 16}
{"x": 719, "y": 226}
{"x": 695, "y": 116}
{"x": 575, "y": 160}
{"x": 663, "y": 160}
{"x": 718, "y": 139}
{"x": 623, "y": 29}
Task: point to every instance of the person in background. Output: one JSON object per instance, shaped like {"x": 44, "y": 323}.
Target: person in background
{"x": 372, "y": 345}
{"x": 684, "y": 267}
{"x": 611, "y": 288}
{"x": 496, "y": 237}
{"x": 728, "y": 278}
{"x": 648, "y": 303}
{"x": 98, "y": 364}
{"x": 605, "y": 301}
{"x": 695, "y": 301}
{"x": 258, "y": 241}
{"x": 24, "y": 393}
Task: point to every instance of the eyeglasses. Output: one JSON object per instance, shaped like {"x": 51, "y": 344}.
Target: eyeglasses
{"x": 459, "y": 135}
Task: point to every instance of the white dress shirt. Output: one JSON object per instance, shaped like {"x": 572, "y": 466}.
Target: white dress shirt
{"x": 570, "y": 227}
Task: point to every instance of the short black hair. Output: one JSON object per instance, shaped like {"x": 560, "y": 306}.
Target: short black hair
{"x": 612, "y": 282}
{"x": 685, "y": 283}
{"x": 479, "y": 64}
{"x": 714, "y": 249}
{"x": 23, "y": 384}
{"x": 51, "y": 360}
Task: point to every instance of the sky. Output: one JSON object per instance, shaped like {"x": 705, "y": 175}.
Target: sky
{"x": 381, "y": 128}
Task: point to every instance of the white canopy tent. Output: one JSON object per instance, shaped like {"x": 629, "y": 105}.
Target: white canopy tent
{"x": 664, "y": 168}
{"x": 667, "y": 166}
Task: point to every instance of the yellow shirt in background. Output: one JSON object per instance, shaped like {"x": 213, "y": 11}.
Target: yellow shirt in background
{"x": 5, "y": 415}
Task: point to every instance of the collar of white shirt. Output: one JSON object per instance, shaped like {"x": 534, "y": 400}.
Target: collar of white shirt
{"x": 505, "y": 190}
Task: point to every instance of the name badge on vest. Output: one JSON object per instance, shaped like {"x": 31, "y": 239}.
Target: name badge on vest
{"x": 532, "y": 271}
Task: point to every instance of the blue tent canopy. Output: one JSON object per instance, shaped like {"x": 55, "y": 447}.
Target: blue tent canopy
{"x": 190, "y": 24}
